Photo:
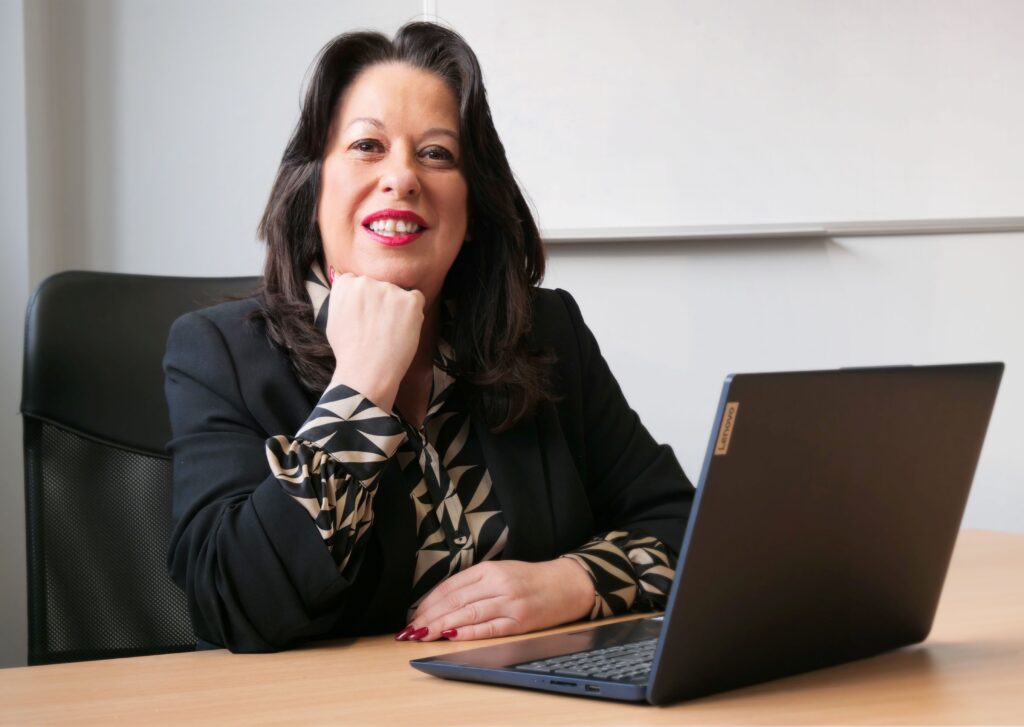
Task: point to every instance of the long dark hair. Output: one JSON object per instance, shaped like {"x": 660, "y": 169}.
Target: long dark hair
{"x": 491, "y": 281}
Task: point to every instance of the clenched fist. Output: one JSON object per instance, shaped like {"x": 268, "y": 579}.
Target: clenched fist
{"x": 374, "y": 330}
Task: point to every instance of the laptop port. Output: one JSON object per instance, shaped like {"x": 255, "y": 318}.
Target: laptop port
{"x": 558, "y": 683}
{"x": 592, "y": 688}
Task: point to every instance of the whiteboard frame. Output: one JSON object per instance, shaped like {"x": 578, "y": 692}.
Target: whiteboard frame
{"x": 800, "y": 230}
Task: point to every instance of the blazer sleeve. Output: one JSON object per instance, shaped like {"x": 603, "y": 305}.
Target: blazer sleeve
{"x": 633, "y": 483}
{"x": 256, "y": 572}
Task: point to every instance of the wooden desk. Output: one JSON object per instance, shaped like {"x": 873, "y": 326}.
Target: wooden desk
{"x": 970, "y": 671}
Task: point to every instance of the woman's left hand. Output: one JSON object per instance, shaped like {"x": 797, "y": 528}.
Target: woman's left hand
{"x": 501, "y": 598}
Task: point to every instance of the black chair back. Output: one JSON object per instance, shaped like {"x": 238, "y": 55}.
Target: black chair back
{"x": 97, "y": 477}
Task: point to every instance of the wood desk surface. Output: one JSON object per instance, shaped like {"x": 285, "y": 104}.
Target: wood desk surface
{"x": 969, "y": 671}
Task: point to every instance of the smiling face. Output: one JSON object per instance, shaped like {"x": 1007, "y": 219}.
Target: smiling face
{"x": 393, "y": 198}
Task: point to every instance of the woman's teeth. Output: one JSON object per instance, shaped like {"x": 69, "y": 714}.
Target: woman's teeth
{"x": 390, "y": 227}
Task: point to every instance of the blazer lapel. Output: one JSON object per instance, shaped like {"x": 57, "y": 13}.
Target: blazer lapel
{"x": 516, "y": 466}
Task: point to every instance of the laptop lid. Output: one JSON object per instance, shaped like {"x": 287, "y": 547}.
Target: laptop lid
{"x": 824, "y": 521}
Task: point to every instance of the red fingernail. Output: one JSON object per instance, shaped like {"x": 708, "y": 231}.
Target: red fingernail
{"x": 419, "y": 634}
{"x": 450, "y": 633}
{"x": 330, "y": 274}
{"x": 404, "y": 633}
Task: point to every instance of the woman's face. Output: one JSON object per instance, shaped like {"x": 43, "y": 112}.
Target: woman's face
{"x": 392, "y": 195}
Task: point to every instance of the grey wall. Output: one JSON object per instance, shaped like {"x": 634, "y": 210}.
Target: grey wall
{"x": 142, "y": 136}
{"x": 13, "y": 295}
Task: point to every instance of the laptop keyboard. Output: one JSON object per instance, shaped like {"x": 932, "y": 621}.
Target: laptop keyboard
{"x": 627, "y": 662}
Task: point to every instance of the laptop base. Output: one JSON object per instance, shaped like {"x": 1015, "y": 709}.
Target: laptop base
{"x": 497, "y": 664}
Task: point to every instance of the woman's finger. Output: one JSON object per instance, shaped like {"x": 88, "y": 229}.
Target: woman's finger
{"x": 492, "y": 629}
{"x": 453, "y": 601}
{"x": 472, "y": 614}
{"x": 445, "y": 588}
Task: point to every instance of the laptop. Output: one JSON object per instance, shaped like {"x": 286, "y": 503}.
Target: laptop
{"x": 821, "y": 531}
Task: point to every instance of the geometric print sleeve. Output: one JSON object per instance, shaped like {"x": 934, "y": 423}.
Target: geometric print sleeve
{"x": 630, "y": 572}
{"x": 332, "y": 465}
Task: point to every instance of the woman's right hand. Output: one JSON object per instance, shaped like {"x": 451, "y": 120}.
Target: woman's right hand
{"x": 373, "y": 328}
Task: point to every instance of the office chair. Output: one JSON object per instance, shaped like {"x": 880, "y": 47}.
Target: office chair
{"x": 97, "y": 478}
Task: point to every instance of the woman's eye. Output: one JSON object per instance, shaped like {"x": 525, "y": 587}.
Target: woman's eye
{"x": 437, "y": 154}
{"x": 368, "y": 146}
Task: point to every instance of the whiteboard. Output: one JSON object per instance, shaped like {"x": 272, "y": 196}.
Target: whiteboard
{"x": 674, "y": 114}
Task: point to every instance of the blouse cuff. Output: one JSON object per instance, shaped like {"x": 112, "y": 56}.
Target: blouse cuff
{"x": 630, "y": 572}
{"x": 353, "y": 431}
{"x": 332, "y": 465}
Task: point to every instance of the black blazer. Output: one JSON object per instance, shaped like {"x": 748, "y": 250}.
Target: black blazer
{"x": 254, "y": 567}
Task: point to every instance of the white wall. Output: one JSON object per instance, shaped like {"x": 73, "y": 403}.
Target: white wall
{"x": 694, "y": 112}
{"x": 153, "y": 131}
{"x": 674, "y": 319}
{"x": 157, "y": 127}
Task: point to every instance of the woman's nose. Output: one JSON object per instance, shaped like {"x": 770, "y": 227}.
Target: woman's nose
{"x": 400, "y": 179}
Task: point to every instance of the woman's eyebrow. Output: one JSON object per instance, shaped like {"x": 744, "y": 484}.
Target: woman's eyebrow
{"x": 367, "y": 120}
{"x": 380, "y": 125}
{"x": 441, "y": 130}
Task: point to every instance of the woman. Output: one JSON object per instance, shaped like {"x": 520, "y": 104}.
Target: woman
{"x": 401, "y": 429}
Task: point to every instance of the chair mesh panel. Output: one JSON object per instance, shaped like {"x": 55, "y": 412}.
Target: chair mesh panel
{"x": 98, "y": 583}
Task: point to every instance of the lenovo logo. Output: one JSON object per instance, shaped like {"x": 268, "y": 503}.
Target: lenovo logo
{"x": 725, "y": 431}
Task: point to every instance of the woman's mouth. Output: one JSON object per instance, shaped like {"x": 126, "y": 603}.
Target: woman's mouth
{"x": 394, "y": 227}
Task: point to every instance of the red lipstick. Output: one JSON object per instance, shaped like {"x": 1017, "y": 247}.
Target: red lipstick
{"x": 398, "y": 239}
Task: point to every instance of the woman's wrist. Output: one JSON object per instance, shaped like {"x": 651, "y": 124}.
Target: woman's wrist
{"x": 380, "y": 395}
{"x": 579, "y": 586}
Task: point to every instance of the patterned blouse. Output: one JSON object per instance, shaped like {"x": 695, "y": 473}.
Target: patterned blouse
{"x": 337, "y": 460}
